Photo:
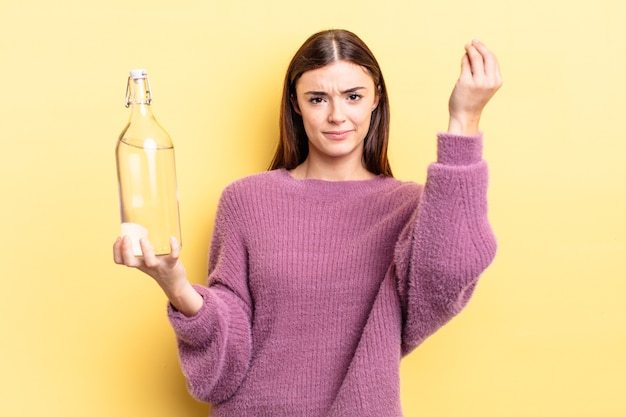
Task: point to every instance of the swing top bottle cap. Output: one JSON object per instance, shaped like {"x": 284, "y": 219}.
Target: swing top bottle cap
{"x": 138, "y": 73}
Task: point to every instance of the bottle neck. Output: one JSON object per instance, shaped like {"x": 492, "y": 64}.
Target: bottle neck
{"x": 138, "y": 93}
{"x": 142, "y": 126}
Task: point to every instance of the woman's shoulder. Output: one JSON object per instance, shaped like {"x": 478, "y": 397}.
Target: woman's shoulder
{"x": 256, "y": 180}
{"x": 253, "y": 184}
{"x": 404, "y": 191}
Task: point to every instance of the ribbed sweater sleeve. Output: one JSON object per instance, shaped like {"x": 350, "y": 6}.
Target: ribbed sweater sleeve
{"x": 215, "y": 344}
{"x": 443, "y": 251}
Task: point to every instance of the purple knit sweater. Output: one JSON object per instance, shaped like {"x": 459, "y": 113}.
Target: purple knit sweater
{"x": 317, "y": 289}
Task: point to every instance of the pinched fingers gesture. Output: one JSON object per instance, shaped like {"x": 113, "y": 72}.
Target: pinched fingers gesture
{"x": 479, "y": 80}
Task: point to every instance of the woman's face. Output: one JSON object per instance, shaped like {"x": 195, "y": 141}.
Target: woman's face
{"x": 336, "y": 104}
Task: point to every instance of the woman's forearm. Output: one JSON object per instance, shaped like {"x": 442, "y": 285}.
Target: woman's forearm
{"x": 185, "y": 298}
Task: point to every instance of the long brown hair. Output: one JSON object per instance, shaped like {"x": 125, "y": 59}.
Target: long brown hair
{"x": 321, "y": 49}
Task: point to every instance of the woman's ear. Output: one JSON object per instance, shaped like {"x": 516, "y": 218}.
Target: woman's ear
{"x": 294, "y": 103}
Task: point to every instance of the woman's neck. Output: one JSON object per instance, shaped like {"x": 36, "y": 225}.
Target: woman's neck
{"x": 331, "y": 172}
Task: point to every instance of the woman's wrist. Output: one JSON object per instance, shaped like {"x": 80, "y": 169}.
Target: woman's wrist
{"x": 185, "y": 298}
{"x": 464, "y": 126}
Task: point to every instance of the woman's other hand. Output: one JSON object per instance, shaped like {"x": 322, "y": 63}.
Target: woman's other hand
{"x": 479, "y": 80}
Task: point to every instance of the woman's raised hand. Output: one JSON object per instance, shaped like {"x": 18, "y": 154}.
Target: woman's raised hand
{"x": 479, "y": 80}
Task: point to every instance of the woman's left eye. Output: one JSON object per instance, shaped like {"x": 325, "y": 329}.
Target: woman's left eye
{"x": 354, "y": 97}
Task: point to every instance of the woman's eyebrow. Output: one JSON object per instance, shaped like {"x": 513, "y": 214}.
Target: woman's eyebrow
{"x": 353, "y": 90}
{"x": 323, "y": 93}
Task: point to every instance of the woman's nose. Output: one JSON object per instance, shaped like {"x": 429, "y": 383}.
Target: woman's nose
{"x": 336, "y": 113}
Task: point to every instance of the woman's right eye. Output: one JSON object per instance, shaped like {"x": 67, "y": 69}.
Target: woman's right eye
{"x": 316, "y": 100}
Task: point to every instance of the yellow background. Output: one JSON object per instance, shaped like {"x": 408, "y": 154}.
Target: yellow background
{"x": 545, "y": 334}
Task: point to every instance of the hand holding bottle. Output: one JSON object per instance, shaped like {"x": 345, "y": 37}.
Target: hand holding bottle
{"x": 167, "y": 270}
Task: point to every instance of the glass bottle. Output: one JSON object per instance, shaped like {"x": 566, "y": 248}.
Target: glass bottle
{"x": 146, "y": 173}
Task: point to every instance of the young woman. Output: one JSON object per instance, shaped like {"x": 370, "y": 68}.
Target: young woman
{"x": 325, "y": 270}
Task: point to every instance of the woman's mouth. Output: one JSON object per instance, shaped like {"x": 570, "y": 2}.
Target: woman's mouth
{"x": 337, "y": 134}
